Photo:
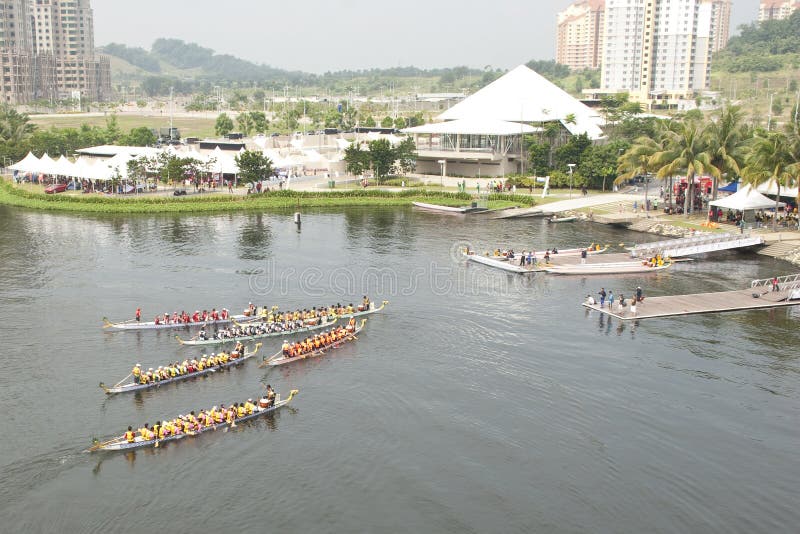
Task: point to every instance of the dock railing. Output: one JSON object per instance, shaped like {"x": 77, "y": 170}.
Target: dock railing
{"x": 692, "y": 245}
{"x": 791, "y": 281}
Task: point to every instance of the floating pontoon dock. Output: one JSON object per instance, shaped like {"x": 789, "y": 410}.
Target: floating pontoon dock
{"x": 759, "y": 296}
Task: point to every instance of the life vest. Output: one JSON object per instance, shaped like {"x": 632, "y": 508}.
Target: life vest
{"x": 240, "y": 411}
{"x": 130, "y": 436}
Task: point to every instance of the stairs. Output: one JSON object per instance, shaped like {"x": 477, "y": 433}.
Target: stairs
{"x": 780, "y": 249}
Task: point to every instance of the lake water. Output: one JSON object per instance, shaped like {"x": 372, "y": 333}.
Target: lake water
{"x": 478, "y": 401}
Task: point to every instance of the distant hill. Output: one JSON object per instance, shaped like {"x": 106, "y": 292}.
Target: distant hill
{"x": 763, "y": 47}
{"x": 189, "y": 68}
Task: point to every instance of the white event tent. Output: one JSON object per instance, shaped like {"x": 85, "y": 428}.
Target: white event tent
{"x": 29, "y": 163}
{"x": 745, "y": 199}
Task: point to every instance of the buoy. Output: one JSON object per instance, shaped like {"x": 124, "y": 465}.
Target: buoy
{"x": 297, "y": 217}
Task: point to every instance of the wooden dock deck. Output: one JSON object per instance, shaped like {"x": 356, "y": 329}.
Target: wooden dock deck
{"x": 723, "y": 301}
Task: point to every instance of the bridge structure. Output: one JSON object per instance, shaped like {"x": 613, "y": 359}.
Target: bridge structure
{"x": 689, "y": 246}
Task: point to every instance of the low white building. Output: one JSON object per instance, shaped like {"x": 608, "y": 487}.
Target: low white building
{"x": 482, "y": 135}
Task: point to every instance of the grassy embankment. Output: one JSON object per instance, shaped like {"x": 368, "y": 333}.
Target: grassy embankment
{"x": 95, "y": 203}
{"x": 201, "y": 126}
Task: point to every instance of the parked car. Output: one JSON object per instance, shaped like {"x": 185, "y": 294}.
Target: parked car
{"x": 55, "y": 188}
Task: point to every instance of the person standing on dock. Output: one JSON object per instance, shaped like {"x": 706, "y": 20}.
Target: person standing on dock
{"x": 602, "y": 294}
{"x": 775, "y": 286}
{"x": 138, "y": 314}
{"x": 639, "y": 297}
{"x": 583, "y": 256}
{"x": 610, "y": 299}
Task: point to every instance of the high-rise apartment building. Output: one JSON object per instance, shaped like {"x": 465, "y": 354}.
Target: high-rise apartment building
{"x": 660, "y": 50}
{"x": 47, "y": 51}
{"x": 579, "y": 41}
{"x": 776, "y": 9}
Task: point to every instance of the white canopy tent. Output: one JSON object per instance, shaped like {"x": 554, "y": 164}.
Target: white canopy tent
{"x": 746, "y": 198}
{"x": 29, "y": 163}
{"x": 64, "y": 167}
{"x": 46, "y": 165}
{"x": 224, "y": 163}
{"x": 771, "y": 188}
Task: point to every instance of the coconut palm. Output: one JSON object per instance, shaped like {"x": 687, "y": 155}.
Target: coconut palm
{"x": 685, "y": 151}
{"x": 771, "y": 161}
{"x": 638, "y": 160}
{"x": 726, "y": 140}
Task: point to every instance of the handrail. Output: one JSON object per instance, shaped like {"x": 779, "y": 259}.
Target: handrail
{"x": 693, "y": 244}
{"x": 792, "y": 280}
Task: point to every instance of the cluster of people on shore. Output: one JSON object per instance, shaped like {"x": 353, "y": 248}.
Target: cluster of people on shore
{"x": 166, "y": 372}
{"x": 622, "y": 301}
{"x": 184, "y": 318}
{"x": 192, "y": 423}
{"x": 318, "y": 342}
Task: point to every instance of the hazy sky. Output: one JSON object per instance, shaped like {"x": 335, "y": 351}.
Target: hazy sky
{"x": 322, "y": 35}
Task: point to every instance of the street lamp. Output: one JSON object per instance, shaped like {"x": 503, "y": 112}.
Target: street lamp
{"x": 571, "y": 166}
{"x": 441, "y": 164}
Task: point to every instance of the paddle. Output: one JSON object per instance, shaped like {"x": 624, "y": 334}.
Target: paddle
{"x": 99, "y": 445}
{"x": 123, "y": 380}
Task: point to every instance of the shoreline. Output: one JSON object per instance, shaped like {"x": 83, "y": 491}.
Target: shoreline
{"x": 10, "y": 195}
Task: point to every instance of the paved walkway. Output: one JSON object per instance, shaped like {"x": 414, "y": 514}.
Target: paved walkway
{"x": 610, "y": 200}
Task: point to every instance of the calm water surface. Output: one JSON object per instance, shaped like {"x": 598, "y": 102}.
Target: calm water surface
{"x": 478, "y": 402}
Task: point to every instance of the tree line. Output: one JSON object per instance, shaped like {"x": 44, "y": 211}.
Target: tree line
{"x": 18, "y": 136}
{"x": 724, "y": 147}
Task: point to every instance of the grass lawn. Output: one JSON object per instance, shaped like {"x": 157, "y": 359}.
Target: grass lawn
{"x": 188, "y": 126}
{"x": 31, "y": 197}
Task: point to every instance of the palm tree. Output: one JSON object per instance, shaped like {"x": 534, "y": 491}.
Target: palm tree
{"x": 638, "y": 160}
{"x": 726, "y": 141}
{"x": 793, "y": 137}
{"x": 686, "y": 151}
{"x": 771, "y": 161}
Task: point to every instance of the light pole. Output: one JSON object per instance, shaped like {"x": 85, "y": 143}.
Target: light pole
{"x": 571, "y": 166}
{"x": 441, "y": 164}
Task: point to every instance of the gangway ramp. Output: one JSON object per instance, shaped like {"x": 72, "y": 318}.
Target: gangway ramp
{"x": 689, "y": 246}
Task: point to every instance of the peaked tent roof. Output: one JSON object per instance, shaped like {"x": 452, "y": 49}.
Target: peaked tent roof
{"x": 746, "y": 198}
{"x": 522, "y": 95}
{"x": 29, "y": 163}
{"x": 472, "y": 127}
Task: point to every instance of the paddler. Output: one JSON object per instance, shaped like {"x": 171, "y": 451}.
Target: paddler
{"x": 285, "y": 348}
{"x": 130, "y": 435}
{"x": 270, "y": 395}
{"x": 137, "y": 373}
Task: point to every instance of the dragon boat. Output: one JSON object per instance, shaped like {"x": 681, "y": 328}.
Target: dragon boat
{"x": 127, "y": 387}
{"x": 280, "y": 359}
{"x": 119, "y": 443}
{"x": 327, "y": 322}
